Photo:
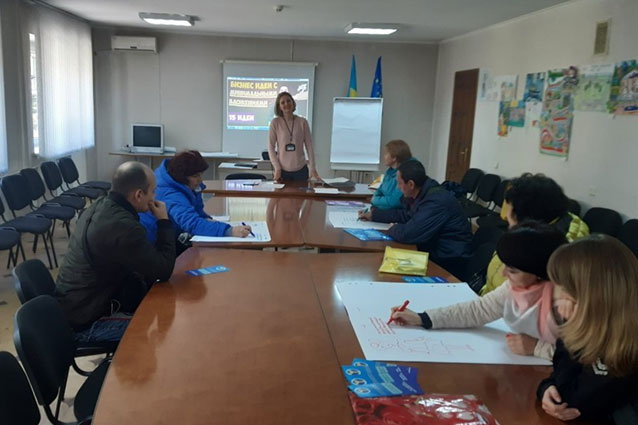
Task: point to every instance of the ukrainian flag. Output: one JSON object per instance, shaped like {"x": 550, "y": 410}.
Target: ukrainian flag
{"x": 352, "y": 90}
{"x": 377, "y": 90}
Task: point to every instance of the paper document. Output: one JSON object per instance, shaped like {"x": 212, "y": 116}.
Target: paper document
{"x": 368, "y": 305}
{"x": 259, "y": 228}
{"x": 335, "y": 180}
{"x": 326, "y": 190}
{"x": 219, "y": 155}
{"x": 234, "y": 165}
{"x": 273, "y": 185}
{"x": 350, "y": 220}
{"x": 223, "y": 218}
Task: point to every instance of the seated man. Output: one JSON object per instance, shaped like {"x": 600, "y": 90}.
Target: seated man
{"x": 110, "y": 263}
{"x": 432, "y": 219}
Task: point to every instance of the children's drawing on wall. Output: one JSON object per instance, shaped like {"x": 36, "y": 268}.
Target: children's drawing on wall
{"x": 594, "y": 86}
{"x": 533, "y": 114}
{"x": 558, "y": 111}
{"x": 517, "y": 114}
{"x": 624, "y": 89}
{"x": 534, "y": 86}
{"x": 485, "y": 84}
{"x": 506, "y": 85}
{"x": 503, "y": 118}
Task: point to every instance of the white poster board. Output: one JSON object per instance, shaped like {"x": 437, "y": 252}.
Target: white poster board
{"x": 356, "y": 133}
{"x": 368, "y": 305}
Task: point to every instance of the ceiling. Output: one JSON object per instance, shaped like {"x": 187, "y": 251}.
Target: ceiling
{"x": 421, "y": 20}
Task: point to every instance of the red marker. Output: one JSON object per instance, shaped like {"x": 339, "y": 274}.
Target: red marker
{"x": 402, "y": 308}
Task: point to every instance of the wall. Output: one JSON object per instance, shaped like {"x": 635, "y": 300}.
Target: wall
{"x": 181, "y": 87}
{"x": 604, "y": 148}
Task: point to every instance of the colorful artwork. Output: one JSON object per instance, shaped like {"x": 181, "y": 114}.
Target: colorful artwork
{"x": 534, "y": 86}
{"x": 624, "y": 89}
{"x": 485, "y": 82}
{"x": 558, "y": 111}
{"x": 594, "y": 87}
{"x": 503, "y": 118}
{"x": 533, "y": 113}
{"x": 501, "y": 88}
{"x": 517, "y": 114}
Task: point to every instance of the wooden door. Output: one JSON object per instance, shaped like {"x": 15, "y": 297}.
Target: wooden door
{"x": 462, "y": 124}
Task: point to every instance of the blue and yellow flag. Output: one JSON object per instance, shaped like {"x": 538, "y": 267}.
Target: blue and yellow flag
{"x": 377, "y": 89}
{"x": 352, "y": 90}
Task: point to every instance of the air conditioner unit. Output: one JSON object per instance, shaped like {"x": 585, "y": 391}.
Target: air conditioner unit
{"x": 145, "y": 44}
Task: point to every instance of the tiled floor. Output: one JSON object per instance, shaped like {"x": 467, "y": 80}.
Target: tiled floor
{"x": 9, "y": 303}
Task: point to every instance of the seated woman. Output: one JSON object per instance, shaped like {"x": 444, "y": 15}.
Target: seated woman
{"x": 179, "y": 186}
{"x": 388, "y": 195}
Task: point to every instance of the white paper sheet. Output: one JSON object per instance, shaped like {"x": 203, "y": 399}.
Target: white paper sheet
{"x": 368, "y": 305}
{"x": 273, "y": 185}
{"x": 348, "y": 219}
{"x": 326, "y": 190}
{"x": 219, "y": 155}
{"x": 223, "y": 218}
{"x": 335, "y": 180}
{"x": 259, "y": 228}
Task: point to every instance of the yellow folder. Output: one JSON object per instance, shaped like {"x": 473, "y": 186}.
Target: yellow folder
{"x": 404, "y": 261}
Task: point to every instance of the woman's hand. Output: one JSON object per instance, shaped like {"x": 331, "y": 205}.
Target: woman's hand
{"x": 553, "y": 406}
{"x": 240, "y": 231}
{"x": 405, "y": 317}
{"x": 276, "y": 175}
{"x": 365, "y": 214}
{"x": 521, "y": 344}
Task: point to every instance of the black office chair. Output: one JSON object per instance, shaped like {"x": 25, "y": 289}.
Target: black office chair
{"x": 53, "y": 179}
{"x": 32, "y": 279}
{"x": 485, "y": 234}
{"x": 38, "y": 191}
{"x": 245, "y": 176}
{"x": 471, "y": 180}
{"x": 17, "y": 405}
{"x": 36, "y": 225}
{"x": 493, "y": 217}
{"x": 603, "y": 220}
{"x": 573, "y": 206}
{"x": 483, "y": 203}
{"x": 476, "y": 269}
{"x": 9, "y": 239}
{"x": 71, "y": 175}
{"x": 45, "y": 344}
{"x": 628, "y": 235}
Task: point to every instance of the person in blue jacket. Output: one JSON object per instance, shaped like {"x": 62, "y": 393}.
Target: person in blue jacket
{"x": 388, "y": 195}
{"x": 431, "y": 218}
{"x": 179, "y": 186}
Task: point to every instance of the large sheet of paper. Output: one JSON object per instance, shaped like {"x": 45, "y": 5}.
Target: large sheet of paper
{"x": 259, "y": 228}
{"x": 369, "y": 303}
{"x": 349, "y": 219}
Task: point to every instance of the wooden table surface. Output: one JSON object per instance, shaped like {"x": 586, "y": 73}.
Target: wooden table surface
{"x": 291, "y": 222}
{"x": 291, "y": 189}
{"x": 263, "y": 343}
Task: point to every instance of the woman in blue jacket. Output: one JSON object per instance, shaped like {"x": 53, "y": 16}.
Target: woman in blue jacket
{"x": 388, "y": 195}
{"x": 179, "y": 186}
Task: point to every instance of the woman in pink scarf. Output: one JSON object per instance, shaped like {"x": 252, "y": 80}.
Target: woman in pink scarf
{"x": 528, "y": 302}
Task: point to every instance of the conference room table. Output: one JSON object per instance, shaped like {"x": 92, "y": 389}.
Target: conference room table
{"x": 263, "y": 343}
{"x": 298, "y": 189}
{"x": 292, "y": 222}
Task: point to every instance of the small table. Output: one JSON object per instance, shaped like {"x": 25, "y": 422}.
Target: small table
{"x": 291, "y": 189}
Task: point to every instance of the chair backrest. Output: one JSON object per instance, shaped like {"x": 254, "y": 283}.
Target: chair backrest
{"x": 45, "y": 344}
{"x": 499, "y": 193}
{"x": 51, "y": 175}
{"x": 16, "y": 191}
{"x": 36, "y": 185}
{"x": 245, "y": 176}
{"x": 483, "y": 235}
{"x": 477, "y": 265}
{"x": 31, "y": 279}
{"x": 603, "y": 220}
{"x": 17, "y": 405}
{"x": 628, "y": 235}
{"x": 68, "y": 170}
{"x": 573, "y": 206}
{"x": 486, "y": 187}
{"x": 471, "y": 179}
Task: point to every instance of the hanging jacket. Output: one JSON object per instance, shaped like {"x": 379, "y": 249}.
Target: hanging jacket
{"x": 185, "y": 208}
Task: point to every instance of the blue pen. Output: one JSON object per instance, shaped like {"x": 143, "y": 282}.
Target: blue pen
{"x": 251, "y": 232}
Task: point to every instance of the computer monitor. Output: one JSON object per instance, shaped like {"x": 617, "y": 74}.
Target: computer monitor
{"x": 148, "y": 138}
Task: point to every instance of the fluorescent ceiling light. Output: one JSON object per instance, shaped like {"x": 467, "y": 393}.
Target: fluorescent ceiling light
{"x": 372, "y": 29}
{"x": 167, "y": 19}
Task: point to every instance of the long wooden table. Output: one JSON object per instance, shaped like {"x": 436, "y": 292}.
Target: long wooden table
{"x": 291, "y": 222}
{"x": 291, "y": 189}
{"x": 263, "y": 343}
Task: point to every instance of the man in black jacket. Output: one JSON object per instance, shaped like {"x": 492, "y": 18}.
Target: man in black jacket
{"x": 431, "y": 218}
{"x": 110, "y": 264}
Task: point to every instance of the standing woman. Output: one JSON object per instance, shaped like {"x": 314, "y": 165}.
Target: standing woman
{"x": 288, "y": 135}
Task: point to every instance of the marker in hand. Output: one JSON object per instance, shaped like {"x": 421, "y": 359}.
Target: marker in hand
{"x": 251, "y": 232}
{"x": 402, "y": 308}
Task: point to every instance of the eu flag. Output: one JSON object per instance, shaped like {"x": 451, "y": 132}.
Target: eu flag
{"x": 377, "y": 90}
{"x": 352, "y": 90}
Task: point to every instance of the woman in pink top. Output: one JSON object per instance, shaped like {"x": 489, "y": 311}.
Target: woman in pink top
{"x": 288, "y": 135}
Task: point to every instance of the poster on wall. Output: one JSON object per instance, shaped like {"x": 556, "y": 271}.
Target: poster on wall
{"x": 533, "y": 114}
{"x": 503, "y": 118}
{"x": 594, "y": 87}
{"x": 517, "y": 114}
{"x": 534, "y": 86}
{"x": 623, "y": 99}
{"x": 501, "y": 88}
{"x": 485, "y": 83}
{"x": 558, "y": 111}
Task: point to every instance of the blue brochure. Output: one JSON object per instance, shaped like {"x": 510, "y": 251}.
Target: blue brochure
{"x": 207, "y": 270}
{"x": 378, "y": 379}
{"x": 368, "y": 235}
{"x": 426, "y": 279}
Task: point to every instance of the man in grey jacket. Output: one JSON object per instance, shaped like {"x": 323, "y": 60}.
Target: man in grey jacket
{"x": 110, "y": 264}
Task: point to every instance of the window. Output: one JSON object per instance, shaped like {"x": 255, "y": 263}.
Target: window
{"x": 61, "y": 85}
